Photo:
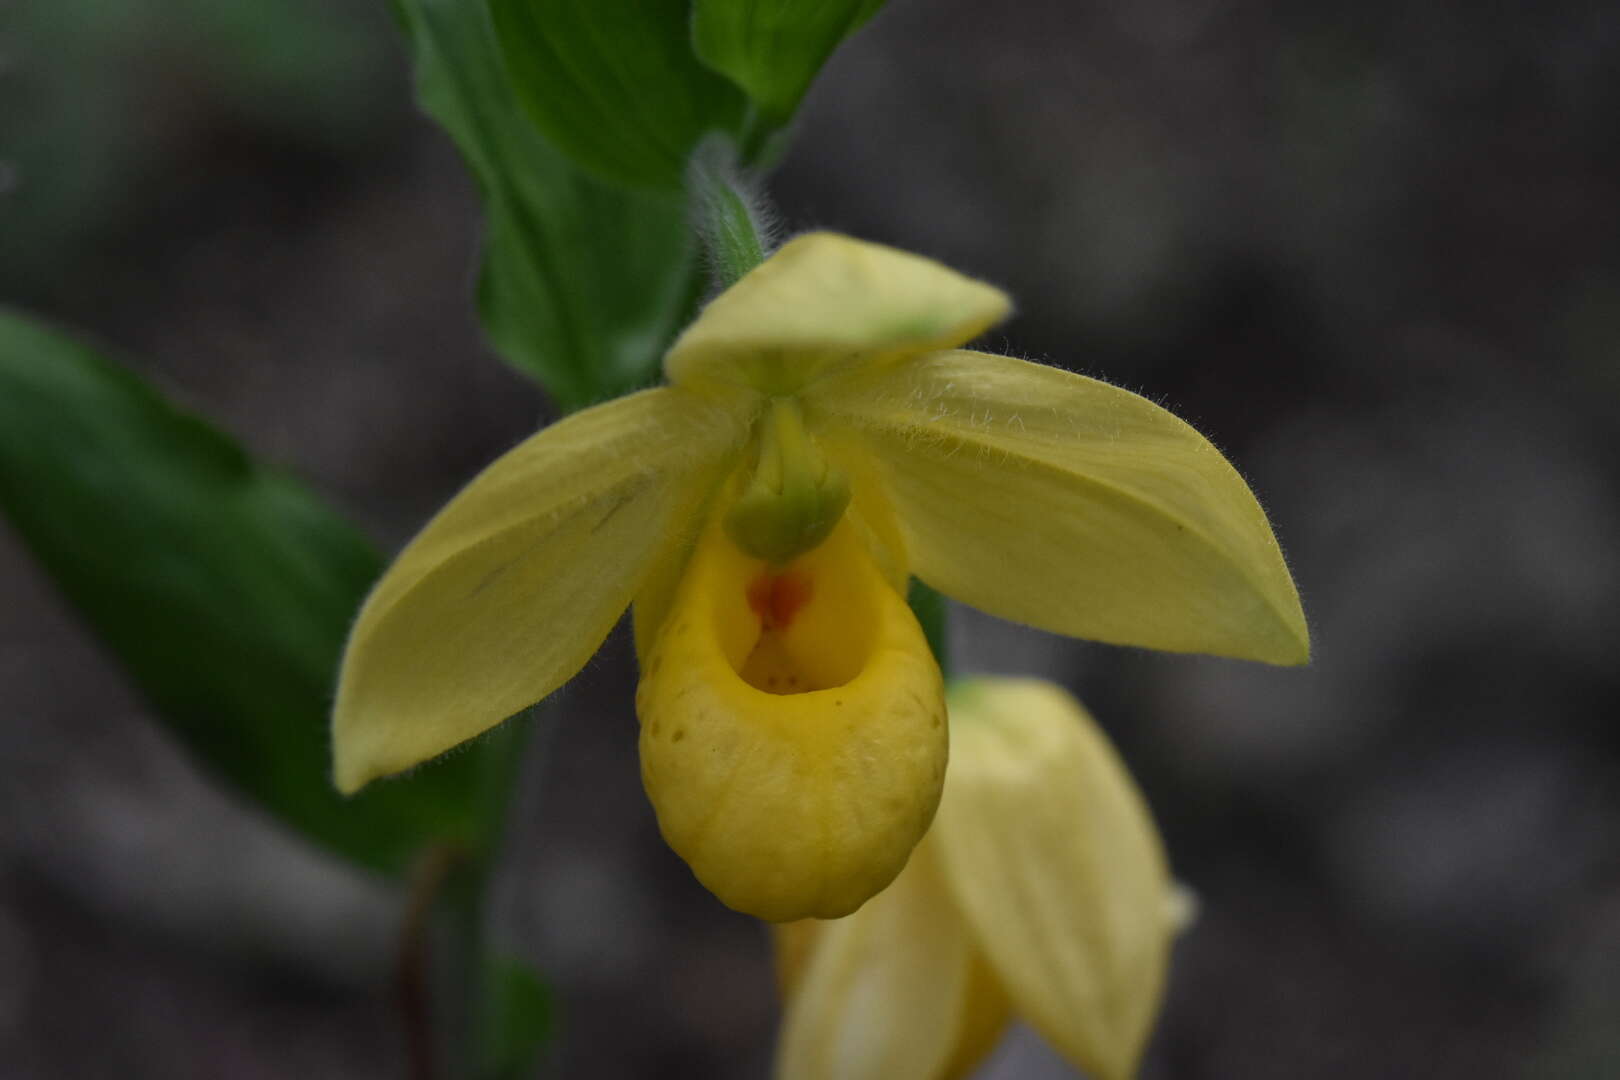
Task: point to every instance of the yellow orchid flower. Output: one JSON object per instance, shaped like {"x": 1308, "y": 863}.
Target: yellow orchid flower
{"x": 1041, "y": 891}
{"x": 820, "y": 439}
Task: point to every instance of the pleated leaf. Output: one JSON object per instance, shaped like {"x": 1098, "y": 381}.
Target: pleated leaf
{"x": 774, "y": 48}
{"x": 583, "y": 282}
{"x": 615, "y": 85}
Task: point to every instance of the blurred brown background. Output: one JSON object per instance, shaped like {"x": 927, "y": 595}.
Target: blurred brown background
{"x": 1370, "y": 249}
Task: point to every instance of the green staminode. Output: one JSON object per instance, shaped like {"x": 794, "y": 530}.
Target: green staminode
{"x": 795, "y": 496}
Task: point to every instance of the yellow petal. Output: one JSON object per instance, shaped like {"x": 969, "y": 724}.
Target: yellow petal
{"x": 825, "y": 301}
{"x": 1059, "y": 501}
{"x": 892, "y": 992}
{"x": 1052, "y": 857}
{"x": 981, "y": 1019}
{"x": 980, "y": 1015}
{"x": 792, "y": 945}
{"x": 657, "y": 594}
{"x": 509, "y": 590}
{"x": 792, "y": 727}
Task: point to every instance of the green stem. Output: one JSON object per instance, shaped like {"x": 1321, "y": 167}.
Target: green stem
{"x": 414, "y": 975}
{"x": 464, "y": 1000}
{"x": 730, "y": 216}
{"x": 445, "y": 1002}
{"x": 933, "y": 615}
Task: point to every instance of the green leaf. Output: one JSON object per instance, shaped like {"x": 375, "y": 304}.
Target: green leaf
{"x": 583, "y": 283}
{"x": 774, "y": 48}
{"x": 517, "y": 1022}
{"x": 224, "y": 588}
{"x": 615, "y": 84}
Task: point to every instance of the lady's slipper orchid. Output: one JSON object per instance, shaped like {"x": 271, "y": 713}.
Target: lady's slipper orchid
{"x": 820, "y": 439}
{"x": 1041, "y": 891}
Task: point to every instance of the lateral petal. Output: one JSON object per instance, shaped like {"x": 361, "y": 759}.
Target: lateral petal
{"x": 824, "y": 302}
{"x": 507, "y": 592}
{"x": 1059, "y": 501}
{"x": 1052, "y": 857}
{"x": 884, "y": 993}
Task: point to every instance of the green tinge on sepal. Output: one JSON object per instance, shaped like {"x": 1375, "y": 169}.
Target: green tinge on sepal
{"x": 223, "y": 587}
{"x": 826, "y": 303}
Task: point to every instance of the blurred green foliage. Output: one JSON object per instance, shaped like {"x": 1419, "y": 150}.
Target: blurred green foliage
{"x": 224, "y": 588}
{"x": 519, "y": 1020}
{"x": 98, "y": 90}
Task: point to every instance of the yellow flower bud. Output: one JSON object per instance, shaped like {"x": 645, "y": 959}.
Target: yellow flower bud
{"x": 1040, "y": 891}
